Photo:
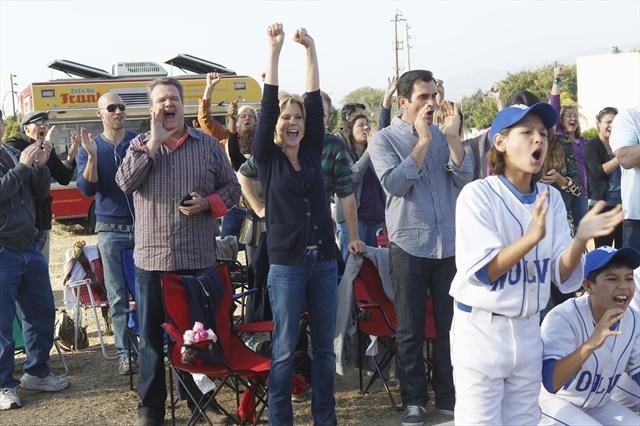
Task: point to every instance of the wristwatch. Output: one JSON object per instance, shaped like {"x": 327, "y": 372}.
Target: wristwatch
{"x": 568, "y": 184}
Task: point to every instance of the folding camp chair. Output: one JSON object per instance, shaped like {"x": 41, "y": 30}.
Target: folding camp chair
{"x": 91, "y": 293}
{"x": 240, "y": 368}
{"x": 375, "y": 316}
{"x": 18, "y": 340}
{"x": 128, "y": 271}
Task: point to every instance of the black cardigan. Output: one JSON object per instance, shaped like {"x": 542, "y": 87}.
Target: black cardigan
{"x": 595, "y": 155}
{"x": 297, "y": 211}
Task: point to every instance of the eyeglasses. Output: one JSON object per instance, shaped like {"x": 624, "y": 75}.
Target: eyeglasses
{"x": 112, "y": 107}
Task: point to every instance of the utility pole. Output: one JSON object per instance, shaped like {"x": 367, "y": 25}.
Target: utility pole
{"x": 397, "y": 44}
{"x": 13, "y": 100}
{"x": 407, "y": 37}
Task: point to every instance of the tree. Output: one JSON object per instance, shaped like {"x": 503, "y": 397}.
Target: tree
{"x": 11, "y": 128}
{"x": 332, "y": 123}
{"x": 479, "y": 109}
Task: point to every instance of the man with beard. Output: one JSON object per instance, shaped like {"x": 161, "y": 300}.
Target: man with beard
{"x": 421, "y": 169}
{"x": 173, "y": 233}
{"x": 98, "y": 160}
{"x": 34, "y": 128}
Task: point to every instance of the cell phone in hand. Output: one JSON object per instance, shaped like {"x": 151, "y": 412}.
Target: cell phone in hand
{"x": 184, "y": 199}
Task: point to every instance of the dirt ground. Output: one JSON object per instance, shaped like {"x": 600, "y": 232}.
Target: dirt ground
{"x": 98, "y": 395}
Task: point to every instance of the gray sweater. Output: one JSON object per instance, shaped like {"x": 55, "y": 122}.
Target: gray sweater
{"x": 19, "y": 186}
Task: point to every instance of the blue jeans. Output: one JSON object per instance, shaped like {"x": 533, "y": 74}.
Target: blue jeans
{"x": 24, "y": 278}
{"x": 367, "y": 233}
{"x": 111, "y": 245}
{"x": 631, "y": 233}
{"x": 578, "y": 208}
{"x": 292, "y": 288}
{"x": 152, "y": 390}
{"x": 413, "y": 279}
{"x": 232, "y": 221}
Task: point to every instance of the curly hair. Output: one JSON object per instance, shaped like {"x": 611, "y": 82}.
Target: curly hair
{"x": 563, "y": 112}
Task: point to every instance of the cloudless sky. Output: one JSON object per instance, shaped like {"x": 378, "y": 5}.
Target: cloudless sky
{"x": 466, "y": 43}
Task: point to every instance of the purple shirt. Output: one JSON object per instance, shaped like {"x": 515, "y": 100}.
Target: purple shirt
{"x": 578, "y": 148}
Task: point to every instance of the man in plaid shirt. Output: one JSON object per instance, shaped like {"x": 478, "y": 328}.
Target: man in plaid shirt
{"x": 181, "y": 181}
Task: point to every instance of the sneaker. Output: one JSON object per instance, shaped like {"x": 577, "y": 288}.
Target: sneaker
{"x": 300, "y": 395}
{"x": 124, "y": 368}
{"x": 50, "y": 383}
{"x": 9, "y": 399}
{"x": 414, "y": 415}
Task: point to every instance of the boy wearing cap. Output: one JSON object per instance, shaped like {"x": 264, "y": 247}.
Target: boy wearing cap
{"x": 34, "y": 128}
{"x": 590, "y": 341}
{"x": 512, "y": 243}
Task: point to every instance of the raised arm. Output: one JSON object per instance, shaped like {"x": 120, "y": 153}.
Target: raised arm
{"x": 314, "y": 132}
{"x": 385, "y": 112}
{"x": 209, "y": 124}
{"x": 554, "y": 95}
{"x": 313, "y": 76}
{"x": 263, "y": 146}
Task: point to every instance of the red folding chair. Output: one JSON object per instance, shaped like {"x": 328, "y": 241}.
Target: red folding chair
{"x": 91, "y": 293}
{"x": 376, "y": 316}
{"x": 241, "y": 369}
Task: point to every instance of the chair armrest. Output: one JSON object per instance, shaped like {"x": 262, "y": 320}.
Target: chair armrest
{"x": 173, "y": 332}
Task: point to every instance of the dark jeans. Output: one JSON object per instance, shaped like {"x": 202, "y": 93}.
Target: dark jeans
{"x": 413, "y": 279}
{"x": 631, "y": 233}
{"x": 232, "y": 221}
{"x": 152, "y": 390}
{"x": 24, "y": 279}
{"x": 608, "y": 240}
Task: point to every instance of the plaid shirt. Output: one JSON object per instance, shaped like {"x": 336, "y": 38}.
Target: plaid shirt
{"x": 165, "y": 239}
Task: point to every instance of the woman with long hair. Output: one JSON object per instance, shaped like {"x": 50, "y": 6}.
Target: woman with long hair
{"x": 302, "y": 266}
{"x": 370, "y": 197}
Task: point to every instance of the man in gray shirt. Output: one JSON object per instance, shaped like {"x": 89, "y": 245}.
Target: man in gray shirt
{"x": 422, "y": 169}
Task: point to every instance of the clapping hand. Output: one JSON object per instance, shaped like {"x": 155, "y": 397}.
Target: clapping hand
{"x": 538, "y": 227}
{"x": 450, "y": 126}
{"x": 603, "y": 328}
{"x": 595, "y": 223}
{"x": 88, "y": 143}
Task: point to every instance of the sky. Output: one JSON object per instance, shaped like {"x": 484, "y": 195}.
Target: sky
{"x": 468, "y": 44}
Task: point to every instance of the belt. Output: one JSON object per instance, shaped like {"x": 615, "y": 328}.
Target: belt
{"x": 467, "y": 308}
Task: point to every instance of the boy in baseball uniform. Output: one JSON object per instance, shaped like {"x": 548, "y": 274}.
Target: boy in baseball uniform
{"x": 590, "y": 342}
{"x": 512, "y": 243}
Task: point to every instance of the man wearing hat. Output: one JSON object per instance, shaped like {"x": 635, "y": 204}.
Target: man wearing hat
{"x": 592, "y": 343}
{"x": 24, "y": 275}
{"x": 34, "y": 128}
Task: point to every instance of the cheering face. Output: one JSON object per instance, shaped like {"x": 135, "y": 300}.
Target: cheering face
{"x": 525, "y": 145}
{"x": 361, "y": 130}
{"x": 570, "y": 121}
{"x": 604, "y": 126}
{"x": 423, "y": 93}
{"x": 613, "y": 288}
{"x": 290, "y": 125}
{"x": 37, "y": 130}
{"x": 167, "y": 107}
{"x": 111, "y": 111}
{"x": 246, "y": 121}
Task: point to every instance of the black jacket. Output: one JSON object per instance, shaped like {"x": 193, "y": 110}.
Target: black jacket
{"x": 59, "y": 172}
{"x": 595, "y": 155}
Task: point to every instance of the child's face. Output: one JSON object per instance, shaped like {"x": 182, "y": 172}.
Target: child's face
{"x": 613, "y": 288}
{"x": 525, "y": 146}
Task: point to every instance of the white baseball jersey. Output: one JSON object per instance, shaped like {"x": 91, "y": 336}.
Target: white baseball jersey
{"x": 569, "y": 325}
{"x": 490, "y": 216}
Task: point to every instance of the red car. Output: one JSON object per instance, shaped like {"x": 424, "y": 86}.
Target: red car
{"x": 69, "y": 203}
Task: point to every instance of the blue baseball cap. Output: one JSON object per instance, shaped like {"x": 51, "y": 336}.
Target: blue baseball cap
{"x": 601, "y": 256}
{"x": 514, "y": 113}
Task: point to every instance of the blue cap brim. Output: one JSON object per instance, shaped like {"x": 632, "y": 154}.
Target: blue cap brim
{"x": 599, "y": 259}
{"x": 512, "y": 115}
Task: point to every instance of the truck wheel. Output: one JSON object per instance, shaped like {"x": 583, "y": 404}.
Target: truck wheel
{"x": 90, "y": 223}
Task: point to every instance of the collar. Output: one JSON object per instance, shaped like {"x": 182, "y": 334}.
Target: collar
{"x": 175, "y": 145}
{"x": 528, "y": 198}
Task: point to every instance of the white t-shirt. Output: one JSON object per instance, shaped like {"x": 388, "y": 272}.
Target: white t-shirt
{"x": 625, "y": 131}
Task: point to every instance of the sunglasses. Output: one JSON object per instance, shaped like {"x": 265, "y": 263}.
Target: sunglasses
{"x": 112, "y": 107}
{"x": 40, "y": 122}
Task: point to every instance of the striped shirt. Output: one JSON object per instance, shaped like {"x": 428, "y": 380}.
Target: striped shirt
{"x": 420, "y": 207}
{"x": 167, "y": 240}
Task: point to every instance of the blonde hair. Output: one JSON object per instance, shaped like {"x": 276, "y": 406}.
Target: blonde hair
{"x": 285, "y": 99}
